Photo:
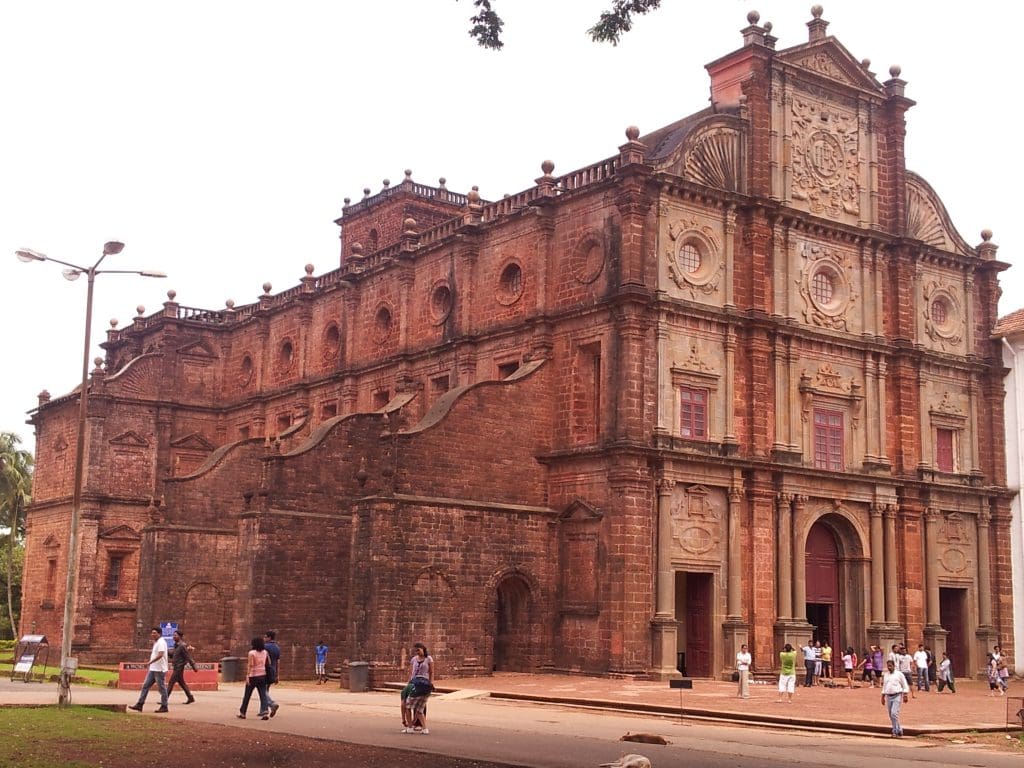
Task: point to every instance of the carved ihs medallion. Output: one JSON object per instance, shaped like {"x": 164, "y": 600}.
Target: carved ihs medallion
{"x": 825, "y": 159}
{"x": 695, "y": 521}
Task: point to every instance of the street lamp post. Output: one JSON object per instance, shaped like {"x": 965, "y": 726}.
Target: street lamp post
{"x": 73, "y": 272}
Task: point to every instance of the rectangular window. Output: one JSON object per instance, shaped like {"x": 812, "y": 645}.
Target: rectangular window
{"x": 112, "y": 586}
{"x": 693, "y": 413}
{"x": 828, "y": 440}
{"x": 507, "y": 369}
{"x": 944, "y": 450}
{"x": 51, "y": 578}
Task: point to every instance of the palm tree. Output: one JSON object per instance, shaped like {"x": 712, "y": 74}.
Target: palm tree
{"x": 15, "y": 494}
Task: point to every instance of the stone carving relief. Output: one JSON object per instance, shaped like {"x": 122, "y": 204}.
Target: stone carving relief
{"x": 826, "y": 286}
{"x": 695, "y": 521}
{"x": 826, "y": 159}
{"x": 954, "y": 529}
{"x": 822, "y": 63}
{"x": 694, "y": 257}
{"x": 943, "y": 316}
{"x": 714, "y": 158}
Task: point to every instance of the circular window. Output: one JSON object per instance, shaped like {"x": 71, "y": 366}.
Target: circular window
{"x": 441, "y": 302}
{"x": 822, "y": 288}
{"x": 510, "y": 285}
{"x": 828, "y": 289}
{"x": 382, "y": 323}
{"x": 942, "y": 314}
{"x": 245, "y": 371}
{"x": 689, "y": 258}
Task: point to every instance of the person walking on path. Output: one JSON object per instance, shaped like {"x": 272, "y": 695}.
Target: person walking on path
{"x": 157, "y": 672}
{"x": 257, "y": 663}
{"x": 743, "y": 661}
{"x": 273, "y": 666}
{"x": 921, "y": 666}
{"x": 787, "y": 672}
{"x": 945, "y": 679}
{"x": 895, "y": 690}
{"x": 422, "y": 682}
{"x": 180, "y": 657}
{"x": 321, "y": 663}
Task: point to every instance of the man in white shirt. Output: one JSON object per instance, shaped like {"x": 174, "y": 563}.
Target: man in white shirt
{"x": 810, "y": 662}
{"x": 743, "y": 660}
{"x": 894, "y": 695}
{"x": 921, "y": 663}
{"x": 157, "y": 672}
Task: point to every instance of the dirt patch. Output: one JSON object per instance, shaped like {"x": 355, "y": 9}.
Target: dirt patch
{"x": 1003, "y": 741}
{"x": 207, "y": 745}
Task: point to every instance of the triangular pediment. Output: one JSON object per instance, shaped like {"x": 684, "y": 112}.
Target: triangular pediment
{"x": 829, "y": 59}
{"x": 130, "y": 439}
{"x": 120, "y": 533}
{"x": 193, "y": 441}
{"x": 581, "y": 511}
{"x": 50, "y": 542}
{"x": 201, "y": 349}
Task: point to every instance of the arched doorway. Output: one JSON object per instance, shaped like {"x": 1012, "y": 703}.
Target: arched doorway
{"x": 512, "y": 625}
{"x": 822, "y": 580}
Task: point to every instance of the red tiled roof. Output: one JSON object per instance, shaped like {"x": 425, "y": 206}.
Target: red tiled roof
{"x": 1011, "y": 323}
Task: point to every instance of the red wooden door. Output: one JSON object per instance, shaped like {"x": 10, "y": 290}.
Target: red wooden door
{"x": 822, "y": 581}
{"x": 951, "y": 617}
{"x": 698, "y": 624}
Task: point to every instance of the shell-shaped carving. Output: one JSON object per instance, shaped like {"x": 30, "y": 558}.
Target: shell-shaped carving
{"x": 923, "y": 221}
{"x": 928, "y": 220}
{"x": 714, "y": 158}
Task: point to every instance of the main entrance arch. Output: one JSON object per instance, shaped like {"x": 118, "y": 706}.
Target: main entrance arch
{"x": 836, "y": 581}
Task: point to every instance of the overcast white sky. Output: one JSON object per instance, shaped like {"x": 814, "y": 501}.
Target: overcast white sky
{"x": 218, "y": 139}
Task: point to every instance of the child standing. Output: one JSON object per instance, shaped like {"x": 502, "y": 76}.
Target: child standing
{"x": 321, "y": 663}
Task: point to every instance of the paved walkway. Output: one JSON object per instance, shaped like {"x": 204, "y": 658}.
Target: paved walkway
{"x": 833, "y": 709}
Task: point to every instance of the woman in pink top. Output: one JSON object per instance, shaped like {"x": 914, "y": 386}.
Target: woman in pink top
{"x": 256, "y": 677}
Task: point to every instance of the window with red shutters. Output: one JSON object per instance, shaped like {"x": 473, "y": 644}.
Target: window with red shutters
{"x": 944, "y": 450}
{"x": 693, "y": 413}
{"x": 828, "y": 440}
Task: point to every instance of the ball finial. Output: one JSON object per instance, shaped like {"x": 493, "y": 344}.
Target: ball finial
{"x": 408, "y": 174}
{"x": 547, "y": 166}
{"x": 894, "y": 70}
{"x": 229, "y": 303}
{"x": 347, "y": 201}
{"x": 266, "y": 287}
{"x": 473, "y": 197}
{"x": 309, "y": 269}
{"x": 632, "y": 133}
{"x": 139, "y": 310}
{"x": 357, "y": 249}
{"x": 753, "y": 17}
{"x": 866, "y": 63}
{"x": 97, "y": 361}
{"x": 816, "y": 11}
{"x": 366, "y": 191}
{"x": 113, "y": 322}
{"x": 986, "y": 235}
{"x": 171, "y": 294}
{"x": 409, "y": 224}
{"x": 442, "y": 181}
{"x": 386, "y": 183}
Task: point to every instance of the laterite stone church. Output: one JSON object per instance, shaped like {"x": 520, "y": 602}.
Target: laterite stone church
{"x": 734, "y": 383}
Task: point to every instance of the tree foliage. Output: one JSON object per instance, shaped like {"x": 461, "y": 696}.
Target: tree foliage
{"x": 610, "y": 27}
{"x": 15, "y": 494}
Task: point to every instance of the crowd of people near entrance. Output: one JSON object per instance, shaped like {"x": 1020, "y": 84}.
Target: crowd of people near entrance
{"x": 898, "y": 673}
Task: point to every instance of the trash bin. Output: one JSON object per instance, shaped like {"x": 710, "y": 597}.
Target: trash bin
{"x": 358, "y": 676}
{"x": 230, "y": 669}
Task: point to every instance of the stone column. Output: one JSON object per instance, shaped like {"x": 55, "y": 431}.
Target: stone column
{"x": 889, "y": 556}
{"x": 664, "y": 623}
{"x": 729, "y": 437}
{"x": 734, "y": 607}
{"x": 784, "y": 563}
{"x": 799, "y": 559}
{"x": 931, "y": 565}
{"x": 984, "y": 573}
{"x": 877, "y": 566}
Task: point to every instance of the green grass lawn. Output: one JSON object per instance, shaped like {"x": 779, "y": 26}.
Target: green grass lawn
{"x": 49, "y": 737}
{"x": 84, "y": 675}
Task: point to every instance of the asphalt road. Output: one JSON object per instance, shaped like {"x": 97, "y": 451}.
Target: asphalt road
{"x": 541, "y": 736}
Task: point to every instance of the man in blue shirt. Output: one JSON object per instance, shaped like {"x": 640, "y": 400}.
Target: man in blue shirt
{"x": 273, "y": 675}
{"x": 321, "y": 663}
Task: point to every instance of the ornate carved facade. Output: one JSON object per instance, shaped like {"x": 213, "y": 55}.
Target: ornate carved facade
{"x": 734, "y": 384}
